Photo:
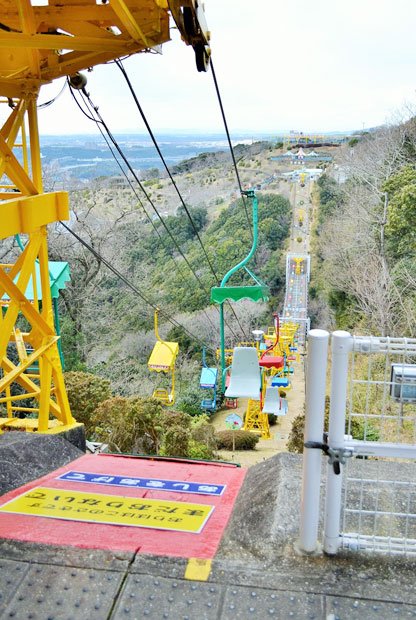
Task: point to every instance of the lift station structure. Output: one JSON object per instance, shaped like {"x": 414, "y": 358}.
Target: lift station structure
{"x": 40, "y": 41}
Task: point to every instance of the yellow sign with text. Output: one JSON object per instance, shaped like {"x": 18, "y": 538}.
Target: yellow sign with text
{"x": 111, "y": 509}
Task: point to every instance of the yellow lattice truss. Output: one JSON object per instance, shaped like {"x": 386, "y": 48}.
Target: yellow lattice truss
{"x": 24, "y": 208}
{"x": 39, "y": 42}
{"x": 255, "y": 420}
{"x": 287, "y": 335}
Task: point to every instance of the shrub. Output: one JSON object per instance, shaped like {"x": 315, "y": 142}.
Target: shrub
{"x": 175, "y": 418}
{"x": 244, "y": 440}
{"x": 85, "y": 392}
{"x": 190, "y": 402}
{"x": 272, "y": 419}
{"x": 141, "y": 426}
{"x": 200, "y": 451}
{"x": 295, "y": 441}
{"x": 203, "y": 443}
{"x": 130, "y": 425}
{"x": 359, "y": 430}
{"x": 176, "y": 441}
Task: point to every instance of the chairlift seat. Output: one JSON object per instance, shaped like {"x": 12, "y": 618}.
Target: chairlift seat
{"x": 287, "y": 370}
{"x": 271, "y": 361}
{"x": 280, "y": 382}
{"x": 162, "y": 395}
{"x": 208, "y": 404}
{"x": 273, "y": 402}
{"x": 245, "y": 374}
{"x": 163, "y": 356}
{"x": 208, "y": 378}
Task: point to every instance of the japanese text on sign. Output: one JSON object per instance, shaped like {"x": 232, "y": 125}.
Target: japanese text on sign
{"x": 144, "y": 483}
{"x": 111, "y": 509}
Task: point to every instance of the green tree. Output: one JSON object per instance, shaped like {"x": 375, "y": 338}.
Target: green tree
{"x": 401, "y": 218}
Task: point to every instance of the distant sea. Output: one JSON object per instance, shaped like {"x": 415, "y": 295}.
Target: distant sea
{"x": 85, "y": 157}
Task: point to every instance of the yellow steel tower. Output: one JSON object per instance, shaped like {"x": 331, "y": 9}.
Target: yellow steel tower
{"x": 40, "y": 41}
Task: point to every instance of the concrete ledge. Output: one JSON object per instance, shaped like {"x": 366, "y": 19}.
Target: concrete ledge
{"x": 27, "y": 456}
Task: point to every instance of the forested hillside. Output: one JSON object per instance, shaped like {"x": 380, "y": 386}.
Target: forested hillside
{"x": 365, "y": 236}
{"x": 107, "y": 328}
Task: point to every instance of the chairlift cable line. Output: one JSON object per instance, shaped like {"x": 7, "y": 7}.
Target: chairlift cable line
{"x": 145, "y": 211}
{"x": 159, "y": 235}
{"x": 127, "y": 282}
{"x": 217, "y": 90}
{"x": 46, "y": 104}
{"x": 136, "y": 178}
{"x": 100, "y": 123}
{"x": 133, "y": 189}
{"x": 151, "y": 134}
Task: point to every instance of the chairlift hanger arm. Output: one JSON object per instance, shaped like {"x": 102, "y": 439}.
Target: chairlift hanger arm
{"x": 258, "y": 292}
{"x": 189, "y": 17}
{"x": 250, "y": 194}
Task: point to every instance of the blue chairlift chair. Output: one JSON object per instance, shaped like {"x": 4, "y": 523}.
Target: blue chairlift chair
{"x": 208, "y": 381}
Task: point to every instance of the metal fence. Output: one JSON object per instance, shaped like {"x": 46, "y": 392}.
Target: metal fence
{"x": 370, "y": 501}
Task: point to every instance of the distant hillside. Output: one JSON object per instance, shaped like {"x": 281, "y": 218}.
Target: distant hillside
{"x": 86, "y": 157}
{"x": 222, "y": 157}
{"x": 105, "y": 326}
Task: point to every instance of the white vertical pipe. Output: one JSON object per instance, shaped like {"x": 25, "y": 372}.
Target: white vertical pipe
{"x": 341, "y": 346}
{"x": 314, "y": 427}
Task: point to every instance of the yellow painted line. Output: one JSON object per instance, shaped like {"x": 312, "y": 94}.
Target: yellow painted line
{"x": 198, "y": 569}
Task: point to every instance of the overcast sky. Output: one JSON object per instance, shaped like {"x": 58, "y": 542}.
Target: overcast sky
{"x": 308, "y": 65}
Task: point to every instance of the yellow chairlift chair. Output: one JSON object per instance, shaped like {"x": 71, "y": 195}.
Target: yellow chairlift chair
{"x": 162, "y": 359}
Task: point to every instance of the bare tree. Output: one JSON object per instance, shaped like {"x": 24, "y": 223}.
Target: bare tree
{"x": 353, "y": 242}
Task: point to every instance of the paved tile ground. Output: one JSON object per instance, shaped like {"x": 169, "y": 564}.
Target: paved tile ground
{"x": 155, "y": 588}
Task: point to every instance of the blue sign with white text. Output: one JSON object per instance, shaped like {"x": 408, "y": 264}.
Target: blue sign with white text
{"x": 178, "y": 486}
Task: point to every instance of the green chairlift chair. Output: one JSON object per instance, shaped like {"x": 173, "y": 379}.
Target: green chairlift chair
{"x": 256, "y": 292}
